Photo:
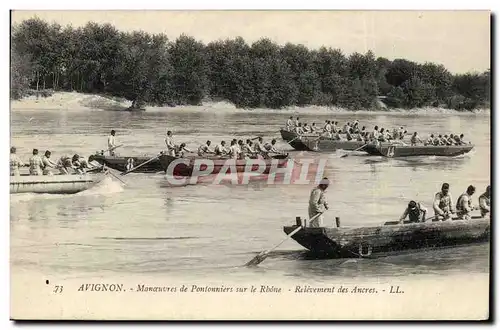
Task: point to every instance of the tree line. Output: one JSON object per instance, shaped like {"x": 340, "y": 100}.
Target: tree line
{"x": 151, "y": 69}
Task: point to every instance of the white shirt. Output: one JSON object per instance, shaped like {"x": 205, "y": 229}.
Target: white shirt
{"x": 111, "y": 141}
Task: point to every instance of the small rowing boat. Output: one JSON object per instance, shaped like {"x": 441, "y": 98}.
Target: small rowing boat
{"x": 394, "y": 150}
{"x": 124, "y": 164}
{"x": 390, "y": 239}
{"x": 184, "y": 166}
{"x": 319, "y": 143}
{"x": 54, "y": 184}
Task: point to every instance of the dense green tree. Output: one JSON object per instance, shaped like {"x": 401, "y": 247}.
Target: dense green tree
{"x": 149, "y": 69}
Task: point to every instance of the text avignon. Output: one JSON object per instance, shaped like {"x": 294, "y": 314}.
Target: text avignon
{"x": 101, "y": 287}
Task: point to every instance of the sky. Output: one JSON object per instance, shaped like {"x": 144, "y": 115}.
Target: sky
{"x": 460, "y": 40}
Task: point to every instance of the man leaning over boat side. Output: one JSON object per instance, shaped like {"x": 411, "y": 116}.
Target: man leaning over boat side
{"x": 415, "y": 211}
{"x": 318, "y": 203}
{"x": 64, "y": 165}
{"x": 443, "y": 205}
{"x": 36, "y": 163}
{"x": 464, "y": 204}
{"x": 111, "y": 143}
{"x": 484, "y": 202}
{"x": 48, "y": 163}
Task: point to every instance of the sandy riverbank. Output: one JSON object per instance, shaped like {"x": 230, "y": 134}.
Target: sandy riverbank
{"x": 68, "y": 101}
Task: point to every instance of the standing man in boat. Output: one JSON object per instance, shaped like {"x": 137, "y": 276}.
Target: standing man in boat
{"x": 484, "y": 202}
{"x": 15, "y": 162}
{"x": 443, "y": 205}
{"x": 169, "y": 141}
{"x": 111, "y": 143}
{"x": 464, "y": 204}
{"x": 289, "y": 124}
{"x": 205, "y": 149}
{"x": 36, "y": 163}
{"x": 415, "y": 212}
{"x": 48, "y": 163}
{"x": 318, "y": 203}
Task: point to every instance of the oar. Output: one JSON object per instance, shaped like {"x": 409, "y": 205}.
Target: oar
{"x": 264, "y": 254}
{"x": 343, "y": 156}
{"x": 142, "y": 164}
{"x": 113, "y": 148}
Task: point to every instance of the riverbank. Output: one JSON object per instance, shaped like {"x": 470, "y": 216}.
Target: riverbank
{"x": 68, "y": 101}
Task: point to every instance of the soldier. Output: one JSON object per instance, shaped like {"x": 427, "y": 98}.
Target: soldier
{"x": 484, "y": 202}
{"x": 318, "y": 204}
{"x": 15, "y": 162}
{"x": 415, "y": 212}
{"x": 443, "y": 206}
{"x": 464, "y": 204}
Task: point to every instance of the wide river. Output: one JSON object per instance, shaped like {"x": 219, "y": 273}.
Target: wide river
{"x": 151, "y": 228}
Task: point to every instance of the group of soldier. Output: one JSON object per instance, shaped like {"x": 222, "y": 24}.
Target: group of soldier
{"x": 443, "y": 205}
{"x": 416, "y": 212}
{"x": 352, "y": 131}
{"x": 44, "y": 165}
{"x": 236, "y": 150}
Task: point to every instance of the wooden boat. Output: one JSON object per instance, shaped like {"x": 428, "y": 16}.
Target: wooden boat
{"x": 311, "y": 142}
{"x": 54, "y": 184}
{"x": 394, "y": 150}
{"x": 185, "y": 166}
{"x": 120, "y": 163}
{"x": 393, "y": 239}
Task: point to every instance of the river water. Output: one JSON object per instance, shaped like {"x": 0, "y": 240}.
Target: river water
{"x": 149, "y": 227}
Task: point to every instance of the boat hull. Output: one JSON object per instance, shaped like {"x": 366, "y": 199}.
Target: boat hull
{"x": 380, "y": 241}
{"x": 53, "y": 184}
{"x": 320, "y": 144}
{"x": 185, "y": 166}
{"x": 120, "y": 163}
{"x": 392, "y": 151}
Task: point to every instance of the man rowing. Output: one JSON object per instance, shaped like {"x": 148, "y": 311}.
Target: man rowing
{"x": 271, "y": 148}
{"x": 415, "y": 139}
{"x": 15, "y": 162}
{"x": 259, "y": 147}
{"x": 464, "y": 204}
{"x": 169, "y": 141}
{"x": 180, "y": 150}
{"x": 234, "y": 150}
{"x": 247, "y": 148}
{"x": 48, "y": 163}
{"x": 111, "y": 143}
{"x": 36, "y": 163}
{"x": 220, "y": 149}
{"x": 205, "y": 149}
{"x": 443, "y": 205}
{"x": 415, "y": 212}
{"x": 484, "y": 202}
{"x": 430, "y": 140}
{"x": 318, "y": 203}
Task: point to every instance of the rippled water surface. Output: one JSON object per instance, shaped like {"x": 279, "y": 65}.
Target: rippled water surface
{"x": 148, "y": 226}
